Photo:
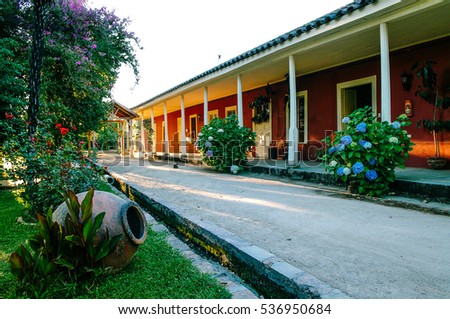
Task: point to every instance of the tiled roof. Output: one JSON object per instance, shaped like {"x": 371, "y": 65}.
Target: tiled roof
{"x": 336, "y": 14}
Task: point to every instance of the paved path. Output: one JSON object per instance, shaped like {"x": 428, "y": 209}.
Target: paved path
{"x": 364, "y": 249}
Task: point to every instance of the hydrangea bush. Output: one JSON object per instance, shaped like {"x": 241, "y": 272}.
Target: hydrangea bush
{"x": 366, "y": 152}
{"x": 224, "y": 144}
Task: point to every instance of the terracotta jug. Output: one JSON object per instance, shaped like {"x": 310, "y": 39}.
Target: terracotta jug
{"x": 122, "y": 216}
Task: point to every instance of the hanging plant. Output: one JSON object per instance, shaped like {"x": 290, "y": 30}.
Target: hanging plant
{"x": 261, "y": 107}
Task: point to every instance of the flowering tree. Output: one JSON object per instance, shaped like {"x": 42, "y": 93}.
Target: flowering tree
{"x": 365, "y": 153}
{"x": 84, "y": 49}
{"x": 224, "y": 143}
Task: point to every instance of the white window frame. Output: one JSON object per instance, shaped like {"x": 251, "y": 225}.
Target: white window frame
{"x": 303, "y": 94}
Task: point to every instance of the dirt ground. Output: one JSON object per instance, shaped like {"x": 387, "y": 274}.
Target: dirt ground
{"x": 364, "y": 249}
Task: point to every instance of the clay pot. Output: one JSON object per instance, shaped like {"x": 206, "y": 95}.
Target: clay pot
{"x": 122, "y": 216}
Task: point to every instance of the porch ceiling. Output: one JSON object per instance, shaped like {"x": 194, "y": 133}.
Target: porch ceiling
{"x": 340, "y": 45}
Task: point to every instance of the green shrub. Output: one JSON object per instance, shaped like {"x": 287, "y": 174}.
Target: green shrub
{"x": 70, "y": 252}
{"x": 50, "y": 164}
{"x": 224, "y": 144}
{"x": 365, "y": 153}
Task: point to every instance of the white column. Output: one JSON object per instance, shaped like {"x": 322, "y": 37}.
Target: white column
{"x": 130, "y": 138}
{"x": 183, "y": 129}
{"x": 293, "y": 130}
{"x": 385, "y": 74}
{"x": 166, "y": 131}
{"x": 205, "y": 106}
{"x": 143, "y": 148}
{"x": 240, "y": 111}
{"x": 152, "y": 117}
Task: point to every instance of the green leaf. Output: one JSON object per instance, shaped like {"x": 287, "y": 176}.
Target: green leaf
{"x": 65, "y": 263}
{"x": 86, "y": 206}
{"x": 106, "y": 247}
{"x": 75, "y": 240}
{"x": 17, "y": 265}
{"x": 87, "y": 230}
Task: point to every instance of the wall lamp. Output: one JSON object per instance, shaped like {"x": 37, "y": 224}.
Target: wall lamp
{"x": 406, "y": 81}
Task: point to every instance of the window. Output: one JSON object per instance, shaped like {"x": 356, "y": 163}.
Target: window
{"x": 193, "y": 127}
{"x": 230, "y": 110}
{"x": 302, "y": 116}
{"x": 212, "y": 115}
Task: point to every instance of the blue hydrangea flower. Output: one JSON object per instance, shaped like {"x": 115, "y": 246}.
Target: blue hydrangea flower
{"x": 367, "y": 145}
{"x": 340, "y": 147}
{"x": 332, "y": 150}
{"x": 371, "y": 175}
{"x": 357, "y": 168}
{"x": 345, "y": 120}
{"x": 347, "y": 171}
{"x": 347, "y": 139}
{"x": 372, "y": 162}
{"x": 209, "y": 153}
{"x": 340, "y": 171}
{"x": 361, "y": 127}
{"x": 208, "y": 144}
{"x": 396, "y": 125}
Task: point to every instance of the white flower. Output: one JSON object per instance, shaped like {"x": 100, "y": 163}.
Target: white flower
{"x": 333, "y": 163}
{"x": 210, "y": 128}
{"x": 347, "y": 171}
{"x": 234, "y": 169}
{"x": 200, "y": 134}
{"x": 393, "y": 140}
{"x": 219, "y": 130}
{"x": 210, "y": 138}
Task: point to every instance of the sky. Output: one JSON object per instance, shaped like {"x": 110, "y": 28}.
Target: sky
{"x": 183, "y": 38}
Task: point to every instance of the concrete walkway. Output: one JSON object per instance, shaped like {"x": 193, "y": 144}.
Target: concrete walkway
{"x": 361, "y": 248}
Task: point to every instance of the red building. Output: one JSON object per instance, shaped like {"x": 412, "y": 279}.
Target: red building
{"x": 318, "y": 73}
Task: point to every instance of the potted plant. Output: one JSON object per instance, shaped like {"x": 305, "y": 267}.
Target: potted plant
{"x": 429, "y": 91}
{"x": 261, "y": 106}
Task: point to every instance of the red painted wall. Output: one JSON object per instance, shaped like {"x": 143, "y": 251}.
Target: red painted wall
{"x": 322, "y": 101}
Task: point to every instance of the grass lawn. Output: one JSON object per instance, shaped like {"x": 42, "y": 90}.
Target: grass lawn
{"x": 157, "y": 271}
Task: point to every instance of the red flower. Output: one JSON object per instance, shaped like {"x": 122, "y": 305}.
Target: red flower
{"x": 49, "y": 143}
{"x": 28, "y": 123}
{"x": 74, "y": 128}
{"x": 58, "y": 125}
{"x": 8, "y": 116}
{"x": 64, "y": 130}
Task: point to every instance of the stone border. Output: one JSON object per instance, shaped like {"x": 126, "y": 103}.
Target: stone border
{"x": 270, "y": 275}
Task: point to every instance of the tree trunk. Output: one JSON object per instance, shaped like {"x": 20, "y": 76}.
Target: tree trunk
{"x": 37, "y": 52}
